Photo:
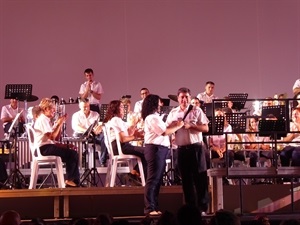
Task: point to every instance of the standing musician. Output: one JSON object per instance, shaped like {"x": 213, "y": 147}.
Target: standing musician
{"x": 47, "y": 133}
{"x": 91, "y": 90}
{"x": 191, "y": 156}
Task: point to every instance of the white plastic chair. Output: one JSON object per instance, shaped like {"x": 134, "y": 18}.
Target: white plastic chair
{"x": 38, "y": 159}
{"x": 116, "y": 161}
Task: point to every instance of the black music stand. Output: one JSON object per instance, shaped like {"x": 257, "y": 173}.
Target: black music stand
{"x": 16, "y": 179}
{"x": 215, "y": 125}
{"x": 275, "y": 129}
{"x": 208, "y": 108}
{"x": 238, "y": 100}
{"x": 90, "y": 172}
{"x": 276, "y": 110}
{"x": 237, "y": 121}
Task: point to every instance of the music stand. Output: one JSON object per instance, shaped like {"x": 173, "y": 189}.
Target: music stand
{"x": 276, "y": 110}
{"x": 93, "y": 172}
{"x": 237, "y": 121}
{"x": 215, "y": 125}
{"x": 273, "y": 128}
{"x": 238, "y": 100}
{"x": 16, "y": 179}
{"x": 208, "y": 108}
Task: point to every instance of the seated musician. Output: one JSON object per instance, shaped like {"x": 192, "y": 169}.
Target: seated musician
{"x": 82, "y": 120}
{"x": 292, "y": 151}
{"x": 46, "y": 136}
{"x": 8, "y": 114}
{"x": 114, "y": 115}
{"x": 217, "y": 143}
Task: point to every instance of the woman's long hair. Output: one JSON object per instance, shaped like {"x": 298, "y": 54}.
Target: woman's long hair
{"x": 113, "y": 110}
{"x": 150, "y": 105}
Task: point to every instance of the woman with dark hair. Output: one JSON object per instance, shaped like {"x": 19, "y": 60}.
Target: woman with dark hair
{"x": 157, "y": 145}
{"x": 114, "y": 115}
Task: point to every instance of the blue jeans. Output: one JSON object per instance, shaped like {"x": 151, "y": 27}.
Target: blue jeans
{"x": 155, "y": 156}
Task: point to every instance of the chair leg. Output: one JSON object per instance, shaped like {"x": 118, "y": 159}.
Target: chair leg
{"x": 60, "y": 174}
{"x": 113, "y": 174}
{"x": 34, "y": 175}
{"x": 142, "y": 174}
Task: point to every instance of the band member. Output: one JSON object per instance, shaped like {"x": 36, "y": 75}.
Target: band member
{"x": 82, "y": 120}
{"x": 191, "y": 157}
{"x": 138, "y": 105}
{"x": 8, "y": 114}
{"x": 208, "y": 95}
{"x": 46, "y": 136}
{"x": 157, "y": 143}
{"x": 91, "y": 90}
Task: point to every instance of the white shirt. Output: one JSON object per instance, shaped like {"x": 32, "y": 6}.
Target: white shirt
{"x": 187, "y": 136}
{"x": 95, "y": 87}
{"x": 207, "y": 99}
{"x": 79, "y": 120}
{"x": 42, "y": 126}
{"x": 220, "y": 140}
{"x": 8, "y": 111}
{"x": 138, "y": 106}
{"x": 120, "y": 126}
{"x": 154, "y": 127}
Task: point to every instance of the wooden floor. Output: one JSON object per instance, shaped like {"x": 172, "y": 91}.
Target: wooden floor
{"x": 127, "y": 202}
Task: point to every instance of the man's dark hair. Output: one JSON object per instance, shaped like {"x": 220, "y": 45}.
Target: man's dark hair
{"x": 210, "y": 82}
{"x": 89, "y": 70}
{"x": 183, "y": 90}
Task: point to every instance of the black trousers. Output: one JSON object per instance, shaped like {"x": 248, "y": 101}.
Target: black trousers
{"x": 194, "y": 179}
{"x": 69, "y": 156}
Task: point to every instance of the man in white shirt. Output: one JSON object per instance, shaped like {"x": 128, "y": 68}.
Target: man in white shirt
{"x": 208, "y": 95}
{"x": 82, "y": 120}
{"x": 191, "y": 155}
{"x": 8, "y": 114}
{"x": 91, "y": 90}
{"x": 138, "y": 105}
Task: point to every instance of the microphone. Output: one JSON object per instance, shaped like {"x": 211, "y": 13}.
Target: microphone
{"x": 187, "y": 112}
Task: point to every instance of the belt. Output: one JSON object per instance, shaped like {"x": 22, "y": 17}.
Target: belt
{"x": 189, "y": 146}
{"x": 95, "y": 104}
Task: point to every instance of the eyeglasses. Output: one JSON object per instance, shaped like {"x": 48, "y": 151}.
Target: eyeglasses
{"x": 144, "y": 93}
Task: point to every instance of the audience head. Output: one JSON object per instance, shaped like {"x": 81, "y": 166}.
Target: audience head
{"x": 224, "y": 217}
{"x": 150, "y": 105}
{"x": 37, "y": 221}
{"x": 147, "y": 221}
{"x": 209, "y": 88}
{"x": 167, "y": 218}
{"x": 261, "y": 219}
{"x": 121, "y": 222}
{"x": 189, "y": 215}
{"x": 10, "y": 217}
{"x": 290, "y": 222}
{"x": 104, "y": 219}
